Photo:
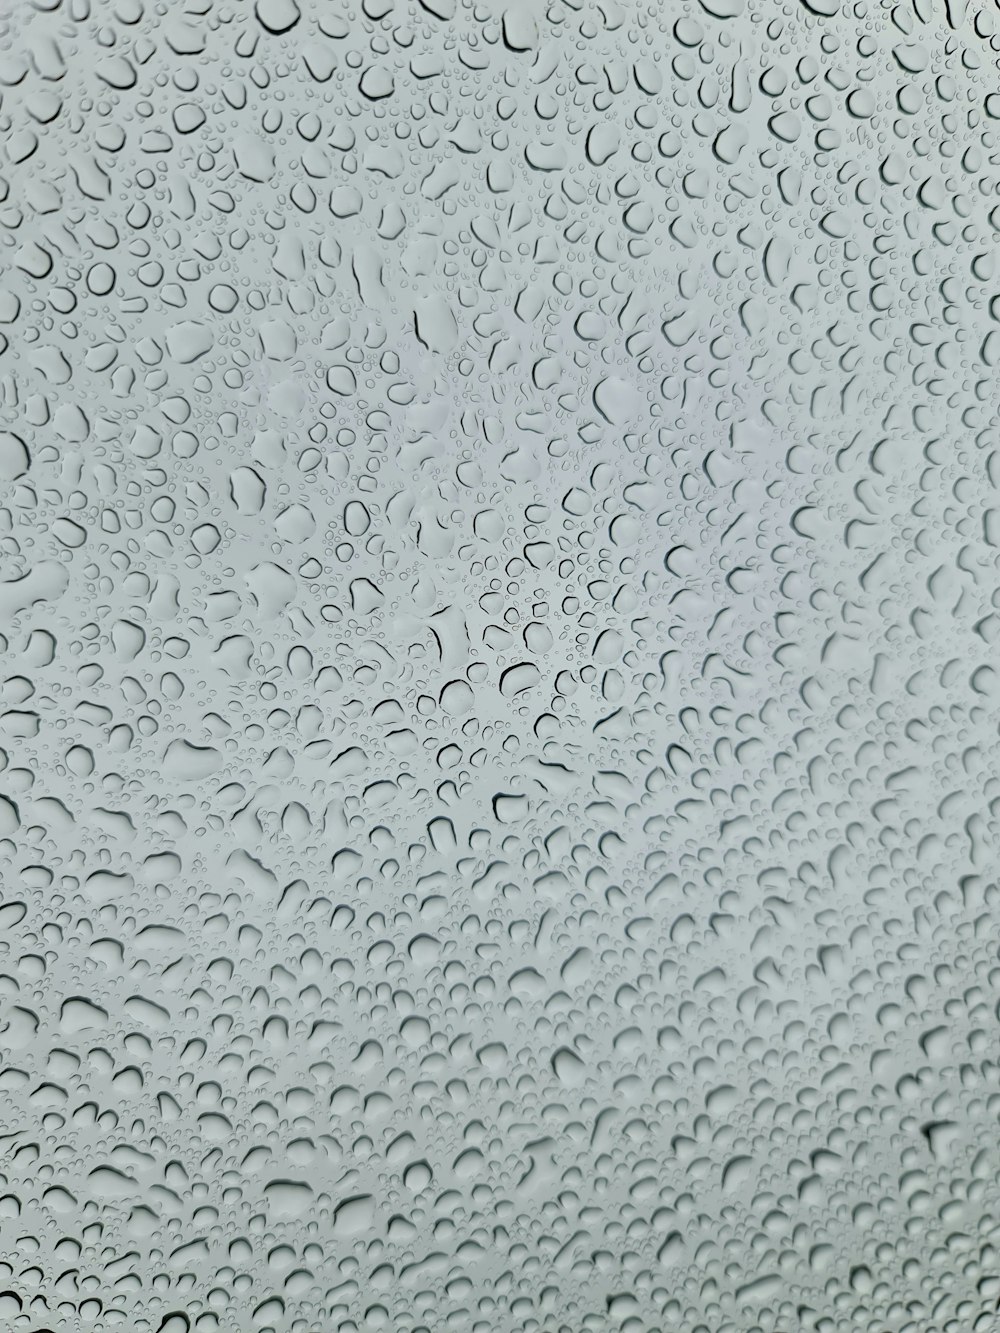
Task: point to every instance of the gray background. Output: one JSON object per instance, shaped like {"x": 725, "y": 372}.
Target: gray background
{"x": 498, "y": 542}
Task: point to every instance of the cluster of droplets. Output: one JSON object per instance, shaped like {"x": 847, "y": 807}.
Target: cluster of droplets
{"x": 498, "y": 735}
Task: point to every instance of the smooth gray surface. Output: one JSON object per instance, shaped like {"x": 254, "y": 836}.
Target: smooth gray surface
{"x": 499, "y": 538}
